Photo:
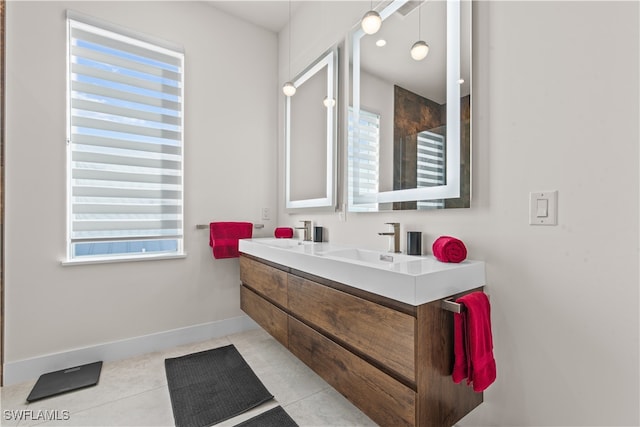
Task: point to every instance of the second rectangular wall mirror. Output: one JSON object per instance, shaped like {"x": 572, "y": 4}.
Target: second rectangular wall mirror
{"x": 409, "y": 120}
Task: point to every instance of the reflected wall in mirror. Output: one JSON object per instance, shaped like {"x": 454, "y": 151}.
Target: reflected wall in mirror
{"x": 409, "y": 143}
{"x": 310, "y": 136}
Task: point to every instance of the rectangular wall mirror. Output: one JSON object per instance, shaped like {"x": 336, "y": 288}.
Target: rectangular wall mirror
{"x": 310, "y": 136}
{"x": 409, "y": 140}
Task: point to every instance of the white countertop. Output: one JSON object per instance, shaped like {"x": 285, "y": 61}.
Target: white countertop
{"x": 410, "y": 279}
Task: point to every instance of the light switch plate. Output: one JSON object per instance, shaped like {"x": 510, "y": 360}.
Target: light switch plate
{"x": 543, "y": 208}
{"x": 266, "y": 214}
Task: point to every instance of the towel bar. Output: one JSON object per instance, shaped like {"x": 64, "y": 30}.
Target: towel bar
{"x": 451, "y": 305}
{"x": 206, "y": 226}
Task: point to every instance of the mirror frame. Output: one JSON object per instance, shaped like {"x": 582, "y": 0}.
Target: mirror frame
{"x": 329, "y": 59}
{"x": 451, "y": 189}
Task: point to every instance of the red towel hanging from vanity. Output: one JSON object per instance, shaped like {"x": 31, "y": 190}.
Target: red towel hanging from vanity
{"x": 473, "y": 342}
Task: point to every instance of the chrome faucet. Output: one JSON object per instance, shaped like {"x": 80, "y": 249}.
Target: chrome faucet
{"x": 396, "y": 236}
{"x": 307, "y": 230}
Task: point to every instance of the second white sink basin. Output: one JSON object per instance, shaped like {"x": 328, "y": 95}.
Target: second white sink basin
{"x": 369, "y": 256}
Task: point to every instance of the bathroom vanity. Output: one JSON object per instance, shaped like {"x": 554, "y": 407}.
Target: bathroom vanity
{"x": 363, "y": 323}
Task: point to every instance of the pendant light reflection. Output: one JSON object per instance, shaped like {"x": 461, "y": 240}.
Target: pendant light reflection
{"x": 371, "y": 22}
{"x": 288, "y": 88}
{"x": 420, "y": 49}
{"x": 329, "y": 102}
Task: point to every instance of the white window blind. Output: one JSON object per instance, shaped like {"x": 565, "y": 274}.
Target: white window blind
{"x": 125, "y": 141}
{"x": 431, "y": 165}
{"x": 363, "y": 158}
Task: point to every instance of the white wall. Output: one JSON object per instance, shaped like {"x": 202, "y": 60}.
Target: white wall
{"x": 556, "y": 107}
{"x": 377, "y": 96}
{"x": 230, "y": 173}
{"x": 309, "y": 137}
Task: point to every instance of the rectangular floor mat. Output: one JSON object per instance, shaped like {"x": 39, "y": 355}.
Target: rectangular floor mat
{"x": 212, "y": 386}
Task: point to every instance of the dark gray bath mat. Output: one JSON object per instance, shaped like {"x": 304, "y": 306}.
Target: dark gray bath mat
{"x": 212, "y": 386}
{"x": 276, "y": 417}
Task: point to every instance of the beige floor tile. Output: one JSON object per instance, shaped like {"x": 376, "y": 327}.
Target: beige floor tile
{"x": 150, "y": 408}
{"x": 118, "y": 379}
{"x": 283, "y": 374}
{"x": 133, "y": 392}
{"x": 327, "y": 408}
{"x": 15, "y": 396}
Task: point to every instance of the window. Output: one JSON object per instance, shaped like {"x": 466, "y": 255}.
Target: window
{"x": 364, "y": 159}
{"x": 125, "y": 142}
{"x": 431, "y": 166}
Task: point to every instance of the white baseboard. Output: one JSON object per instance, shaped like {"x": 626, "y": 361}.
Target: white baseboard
{"x": 29, "y": 369}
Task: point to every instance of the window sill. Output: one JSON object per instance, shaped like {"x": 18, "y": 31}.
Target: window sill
{"x": 107, "y": 260}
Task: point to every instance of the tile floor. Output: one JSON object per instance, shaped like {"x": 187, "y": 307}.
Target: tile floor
{"x": 133, "y": 392}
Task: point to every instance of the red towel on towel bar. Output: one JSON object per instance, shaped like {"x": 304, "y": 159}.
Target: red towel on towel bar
{"x": 473, "y": 343}
{"x": 223, "y": 237}
{"x": 449, "y": 249}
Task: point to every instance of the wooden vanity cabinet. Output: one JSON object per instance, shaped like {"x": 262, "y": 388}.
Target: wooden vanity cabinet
{"x": 390, "y": 359}
{"x": 357, "y": 324}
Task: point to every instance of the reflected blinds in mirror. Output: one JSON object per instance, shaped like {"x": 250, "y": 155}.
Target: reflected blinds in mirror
{"x": 363, "y": 157}
{"x": 431, "y": 161}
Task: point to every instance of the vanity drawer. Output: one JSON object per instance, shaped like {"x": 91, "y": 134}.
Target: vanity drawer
{"x": 384, "y": 335}
{"x": 271, "y": 318}
{"x": 384, "y": 399}
{"x": 265, "y": 280}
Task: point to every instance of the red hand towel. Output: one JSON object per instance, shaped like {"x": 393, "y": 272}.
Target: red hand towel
{"x": 473, "y": 343}
{"x": 223, "y": 237}
{"x": 460, "y": 366}
{"x": 283, "y": 233}
{"x": 449, "y": 249}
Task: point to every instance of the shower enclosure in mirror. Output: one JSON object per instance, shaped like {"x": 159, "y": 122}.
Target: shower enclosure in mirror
{"x": 409, "y": 135}
{"x": 310, "y": 136}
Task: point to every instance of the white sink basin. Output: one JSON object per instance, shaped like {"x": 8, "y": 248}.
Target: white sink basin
{"x": 368, "y": 256}
{"x": 410, "y": 279}
{"x": 284, "y": 243}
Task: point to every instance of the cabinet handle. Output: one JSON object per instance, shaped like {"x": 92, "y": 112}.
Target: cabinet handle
{"x": 450, "y": 305}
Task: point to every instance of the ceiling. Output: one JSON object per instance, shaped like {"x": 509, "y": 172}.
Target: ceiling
{"x": 400, "y": 31}
{"x": 272, "y": 15}
{"x": 393, "y": 62}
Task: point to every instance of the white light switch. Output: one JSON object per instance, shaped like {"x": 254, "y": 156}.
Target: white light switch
{"x": 543, "y": 208}
{"x": 266, "y": 214}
